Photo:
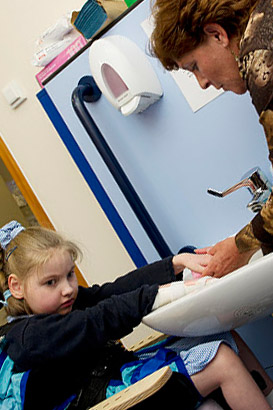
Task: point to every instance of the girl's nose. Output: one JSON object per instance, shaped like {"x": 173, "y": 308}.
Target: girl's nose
{"x": 203, "y": 81}
{"x": 67, "y": 289}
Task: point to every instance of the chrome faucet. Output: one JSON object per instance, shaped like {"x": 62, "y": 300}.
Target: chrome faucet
{"x": 257, "y": 184}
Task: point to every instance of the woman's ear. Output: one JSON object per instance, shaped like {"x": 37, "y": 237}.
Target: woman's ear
{"x": 218, "y": 32}
{"x": 15, "y": 286}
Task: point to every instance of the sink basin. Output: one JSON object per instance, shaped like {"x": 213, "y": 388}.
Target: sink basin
{"x": 240, "y": 297}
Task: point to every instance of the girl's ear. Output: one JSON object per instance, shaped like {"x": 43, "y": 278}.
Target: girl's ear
{"x": 218, "y": 32}
{"x": 15, "y": 286}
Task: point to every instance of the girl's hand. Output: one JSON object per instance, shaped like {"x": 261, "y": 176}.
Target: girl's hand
{"x": 168, "y": 293}
{"x": 176, "y": 290}
{"x": 194, "y": 262}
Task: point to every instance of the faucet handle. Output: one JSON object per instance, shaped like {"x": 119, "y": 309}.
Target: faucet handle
{"x": 256, "y": 182}
{"x": 246, "y": 182}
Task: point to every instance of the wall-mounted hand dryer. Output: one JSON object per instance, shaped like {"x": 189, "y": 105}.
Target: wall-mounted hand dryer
{"x": 124, "y": 74}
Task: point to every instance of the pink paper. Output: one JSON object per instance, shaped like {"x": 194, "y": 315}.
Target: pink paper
{"x": 62, "y": 58}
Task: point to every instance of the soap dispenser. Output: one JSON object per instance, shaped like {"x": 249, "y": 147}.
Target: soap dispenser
{"x": 124, "y": 74}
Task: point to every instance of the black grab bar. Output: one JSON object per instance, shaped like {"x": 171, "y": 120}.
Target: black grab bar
{"x": 87, "y": 91}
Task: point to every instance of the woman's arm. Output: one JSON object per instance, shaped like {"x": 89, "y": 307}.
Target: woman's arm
{"x": 259, "y": 233}
{"x": 234, "y": 252}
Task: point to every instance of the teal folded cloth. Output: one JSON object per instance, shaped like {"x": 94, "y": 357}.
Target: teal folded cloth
{"x": 90, "y": 18}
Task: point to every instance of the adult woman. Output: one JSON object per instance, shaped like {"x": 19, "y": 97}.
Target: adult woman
{"x": 227, "y": 44}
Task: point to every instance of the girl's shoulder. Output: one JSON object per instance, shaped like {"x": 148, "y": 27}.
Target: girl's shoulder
{"x": 4, "y": 329}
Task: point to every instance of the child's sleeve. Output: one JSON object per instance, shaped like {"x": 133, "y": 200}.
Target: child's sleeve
{"x": 43, "y": 338}
{"x": 159, "y": 272}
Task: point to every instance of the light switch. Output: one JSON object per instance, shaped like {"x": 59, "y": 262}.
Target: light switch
{"x": 13, "y": 94}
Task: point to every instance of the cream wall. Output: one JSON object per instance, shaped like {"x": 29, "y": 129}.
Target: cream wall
{"x": 40, "y": 153}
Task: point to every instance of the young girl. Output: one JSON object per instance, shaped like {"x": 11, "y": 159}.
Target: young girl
{"x": 58, "y": 350}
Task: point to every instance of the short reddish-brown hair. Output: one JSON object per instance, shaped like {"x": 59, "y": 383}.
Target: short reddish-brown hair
{"x": 179, "y": 24}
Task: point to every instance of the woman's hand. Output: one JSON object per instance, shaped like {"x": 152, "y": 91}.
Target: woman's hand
{"x": 194, "y": 262}
{"x": 225, "y": 258}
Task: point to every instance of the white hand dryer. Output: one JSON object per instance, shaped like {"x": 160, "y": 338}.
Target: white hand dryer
{"x": 124, "y": 74}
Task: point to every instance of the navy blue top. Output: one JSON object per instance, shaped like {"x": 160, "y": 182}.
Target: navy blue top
{"x": 61, "y": 350}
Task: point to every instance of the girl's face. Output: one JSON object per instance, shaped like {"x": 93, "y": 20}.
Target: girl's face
{"x": 54, "y": 288}
{"x": 213, "y": 62}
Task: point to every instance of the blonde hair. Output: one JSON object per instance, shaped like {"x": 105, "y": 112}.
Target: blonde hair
{"x": 29, "y": 251}
{"x": 179, "y": 25}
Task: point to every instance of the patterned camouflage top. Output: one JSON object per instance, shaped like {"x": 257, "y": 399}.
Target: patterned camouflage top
{"x": 256, "y": 67}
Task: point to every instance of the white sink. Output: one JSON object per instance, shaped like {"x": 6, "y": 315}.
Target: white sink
{"x": 242, "y": 296}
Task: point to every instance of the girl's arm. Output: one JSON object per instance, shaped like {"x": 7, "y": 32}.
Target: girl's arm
{"x": 41, "y": 339}
{"x": 160, "y": 272}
